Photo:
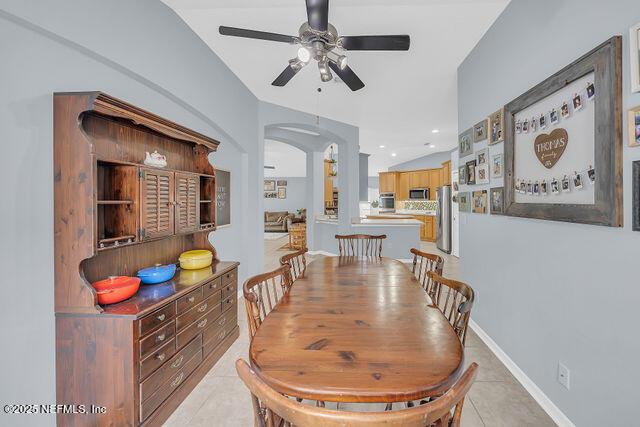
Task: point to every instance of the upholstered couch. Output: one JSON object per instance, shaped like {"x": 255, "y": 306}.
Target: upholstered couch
{"x": 277, "y": 221}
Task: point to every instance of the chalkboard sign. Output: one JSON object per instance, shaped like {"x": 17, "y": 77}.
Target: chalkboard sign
{"x": 223, "y": 195}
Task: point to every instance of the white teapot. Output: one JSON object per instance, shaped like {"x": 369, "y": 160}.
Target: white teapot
{"x": 155, "y": 159}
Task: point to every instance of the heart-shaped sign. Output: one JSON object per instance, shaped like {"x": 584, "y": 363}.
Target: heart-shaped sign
{"x": 550, "y": 147}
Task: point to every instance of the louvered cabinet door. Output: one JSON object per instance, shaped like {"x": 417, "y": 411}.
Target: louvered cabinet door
{"x": 187, "y": 202}
{"x": 157, "y": 205}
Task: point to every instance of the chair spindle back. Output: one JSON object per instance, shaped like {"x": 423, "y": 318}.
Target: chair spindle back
{"x": 423, "y": 263}
{"x": 297, "y": 261}
{"x": 263, "y": 292}
{"x": 455, "y": 300}
{"x": 360, "y": 245}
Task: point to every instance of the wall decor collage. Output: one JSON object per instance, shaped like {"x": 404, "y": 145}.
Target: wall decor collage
{"x": 633, "y": 119}
{"x": 275, "y": 189}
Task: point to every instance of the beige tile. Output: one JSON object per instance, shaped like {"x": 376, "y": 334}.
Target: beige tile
{"x": 473, "y": 340}
{"x": 229, "y": 406}
{"x": 470, "y": 416}
{"x": 490, "y": 368}
{"x": 507, "y": 403}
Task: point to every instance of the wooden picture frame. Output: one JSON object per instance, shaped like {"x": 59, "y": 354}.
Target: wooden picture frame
{"x": 464, "y": 201}
{"x": 269, "y": 185}
{"x": 605, "y": 61}
{"x": 282, "y": 192}
{"x": 497, "y": 166}
{"x": 495, "y": 124}
{"x": 465, "y": 143}
{"x": 471, "y": 172}
{"x": 479, "y": 201}
{"x": 480, "y": 131}
{"x": 281, "y": 183}
{"x": 634, "y": 57}
{"x": 633, "y": 125}
{"x": 496, "y": 200}
{"x": 636, "y": 195}
{"x": 462, "y": 174}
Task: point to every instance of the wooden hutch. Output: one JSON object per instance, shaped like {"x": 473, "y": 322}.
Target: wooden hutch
{"x": 113, "y": 216}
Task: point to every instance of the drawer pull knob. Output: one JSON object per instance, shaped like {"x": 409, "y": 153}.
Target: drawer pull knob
{"x": 202, "y": 308}
{"x": 160, "y": 337}
{"x": 222, "y": 321}
{"x": 160, "y": 357}
{"x": 202, "y": 324}
{"x": 161, "y": 317}
{"x": 191, "y": 299}
{"x": 178, "y": 362}
{"x": 178, "y": 380}
{"x": 221, "y": 335}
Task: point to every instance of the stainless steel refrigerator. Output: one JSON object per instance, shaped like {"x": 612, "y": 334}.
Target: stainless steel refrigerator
{"x": 443, "y": 219}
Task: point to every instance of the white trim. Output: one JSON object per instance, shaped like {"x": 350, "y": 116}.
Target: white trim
{"x": 547, "y": 405}
{"x": 321, "y": 253}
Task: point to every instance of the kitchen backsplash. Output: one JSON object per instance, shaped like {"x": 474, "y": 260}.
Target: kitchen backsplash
{"x": 413, "y": 205}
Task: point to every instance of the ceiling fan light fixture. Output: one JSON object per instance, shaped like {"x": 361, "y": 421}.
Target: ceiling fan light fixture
{"x": 296, "y": 64}
{"x": 325, "y": 72}
{"x": 304, "y": 55}
{"x": 340, "y": 60}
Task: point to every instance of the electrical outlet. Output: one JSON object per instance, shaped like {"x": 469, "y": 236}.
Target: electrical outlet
{"x": 564, "y": 375}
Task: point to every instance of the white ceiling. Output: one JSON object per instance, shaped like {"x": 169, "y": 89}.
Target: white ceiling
{"x": 287, "y": 160}
{"x": 407, "y": 94}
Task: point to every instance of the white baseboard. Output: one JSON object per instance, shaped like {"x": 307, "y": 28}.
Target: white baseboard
{"x": 547, "y": 405}
{"x": 321, "y": 253}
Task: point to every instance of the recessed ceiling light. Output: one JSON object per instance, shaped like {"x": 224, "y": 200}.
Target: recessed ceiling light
{"x": 432, "y": 145}
{"x": 393, "y": 154}
{"x": 435, "y": 131}
{"x": 382, "y": 146}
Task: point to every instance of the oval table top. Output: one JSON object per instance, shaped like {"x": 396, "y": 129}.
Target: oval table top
{"x": 357, "y": 330}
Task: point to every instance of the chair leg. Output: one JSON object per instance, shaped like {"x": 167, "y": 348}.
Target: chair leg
{"x": 389, "y": 407}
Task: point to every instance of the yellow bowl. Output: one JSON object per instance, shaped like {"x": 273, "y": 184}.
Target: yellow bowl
{"x": 195, "y": 260}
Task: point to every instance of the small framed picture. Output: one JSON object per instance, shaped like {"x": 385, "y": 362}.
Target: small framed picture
{"x": 525, "y": 126}
{"x": 465, "y": 143}
{"x": 480, "y": 131}
{"x": 564, "y": 110}
{"x": 543, "y": 187}
{"x": 518, "y": 183}
{"x": 591, "y": 173}
{"x": 577, "y": 180}
{"x": 464, "y": 201}
{"x": 591, "y": 91}
{"x": 282, "y": 192}
{"x": 269, "y": 185}
{"x": 454, "y": 185}
{"x": 533, "y": 124}
{"x": 471, "y": 172}
{"x": 518, "y": 126}
{"x": 634, "y": 127}
{"x": 482, "y": 156}
{"x": 542, "y": 121}
{"x": 553, "y": 117}
{"x": 480, "y": 201}
{"x": 566, "y": 188}
{"x": 496, "y": 127}
{"x": 529, "y": 188}
{"x": 462, "y": 174}
{"x": 555, "y": 189}
{"x": 577, "y": 102}
{"x": 497, "y": 168}
{"x": 496, "y": 200}
{"x": 634, "y": 59}
{"x": 536, "y": 188}
{"x": 281, "y": 183}
{"x": 482, "y": 174}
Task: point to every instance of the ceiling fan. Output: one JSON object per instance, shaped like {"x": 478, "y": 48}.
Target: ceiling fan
{"x": 318, "y": 39}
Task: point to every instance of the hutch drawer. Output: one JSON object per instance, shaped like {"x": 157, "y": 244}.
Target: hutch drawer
{"x": 196, "y": 327}
{"x": 155, "y": 319}
{"x": 184, "y": 320}
{"x": 218, "y": 330}
{"x": 229, "y": 277}
{"x": 229, "y": 290}
{"x": 157, "y": 358}
{"x": 211, "y": 287}
{"x": 189, "y": 300}
{"x": 169, "y": 368}
{"x": 229, "y": 303}
{"x": 157, "y": 338}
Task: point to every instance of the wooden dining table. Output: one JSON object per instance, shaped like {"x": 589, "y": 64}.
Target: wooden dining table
{"x": 357, "y": 330}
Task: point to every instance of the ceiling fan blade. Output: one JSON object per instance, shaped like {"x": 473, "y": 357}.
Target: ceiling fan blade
{"x": 284, "y": 77}
{"x": 261, "y": 35}
{"x": 397, "y": 42}
{"x": 348, "y": 76}
{"x": 318, "y": 14}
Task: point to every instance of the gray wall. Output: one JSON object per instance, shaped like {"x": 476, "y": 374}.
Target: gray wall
{"x": 364, "y": 179}
{"x": 550, "y": 291}
{"x": 296, "y": 196}
{"x": 429, "y": 161}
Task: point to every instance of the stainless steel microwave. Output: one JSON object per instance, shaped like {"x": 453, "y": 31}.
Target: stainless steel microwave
{"x": 419, "y": 194}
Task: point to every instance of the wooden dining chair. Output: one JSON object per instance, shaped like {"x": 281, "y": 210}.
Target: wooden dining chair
{"x": 273, "y": 409}
{"x": 423, "y": 263}
{"x": 360, "y": 245}
{"x": 297, "y": 261}
{"x": 455, "y": 300}
{"x": 263, "y": 292}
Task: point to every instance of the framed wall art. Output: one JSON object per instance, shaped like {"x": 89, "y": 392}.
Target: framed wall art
{"x": 281, "y": 183}
{"x": 480, "y": 131}
{"x": 270, "y": 195}
{"x": 282, "y": 192}
{"x": 471, "y": 172}
{"x": 480, "y": 201}
{"x": 482, "y": 156}
{"x": 497, "y": 166}
{"x": 464, "y": 201}
{"x": 634, "y": 57}
{"x": 462, "y": 174}
{"x": 636, "y": 195}
{"x": 269, "y": 185}
{"x": 634, "y": 127}
{"x": 568, "y": 165}
{"x": 496, "y": 200}
{"x": 482, "y": 173}
{"x": 496, "y": 127}
{"x": 465, "y": 143}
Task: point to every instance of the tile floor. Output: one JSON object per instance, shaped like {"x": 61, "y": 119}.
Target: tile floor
{"x": 496, "y": 399}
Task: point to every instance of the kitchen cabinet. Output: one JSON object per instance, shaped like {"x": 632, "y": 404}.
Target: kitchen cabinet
{"x": 446, "y": 173}
{"x": 387, "y": 182}
{"x": 402, "y": 186}
{"x": 434, "y": 182}
{"x": 187, "y": 202}
{"x": 328, "y": 182}
{"x": 419, "y": 179}
{"x": 157, "y": 192}
{"x": 427, "y": 227}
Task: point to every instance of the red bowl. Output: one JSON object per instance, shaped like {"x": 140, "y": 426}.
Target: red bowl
{"x": 116, "y": 289}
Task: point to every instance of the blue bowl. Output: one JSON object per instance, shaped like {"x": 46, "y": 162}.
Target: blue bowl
{"x": 157, "y": 274}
